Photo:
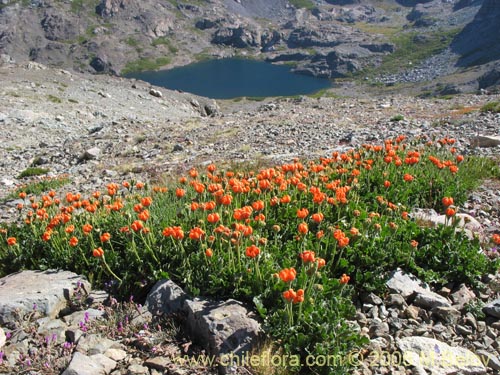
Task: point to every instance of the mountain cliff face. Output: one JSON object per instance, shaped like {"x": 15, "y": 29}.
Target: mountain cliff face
{"x": 479, "y": 42}
{"x": 327, "y": 38}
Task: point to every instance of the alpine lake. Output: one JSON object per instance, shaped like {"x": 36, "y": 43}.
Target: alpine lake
{"x": 233, "y": 78}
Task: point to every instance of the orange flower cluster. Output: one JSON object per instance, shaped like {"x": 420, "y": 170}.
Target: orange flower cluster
{"x": 174, "y": 232}
{"x": 196, "y": 233}
{"x": 344, "y": 279}
{"x": 287, "y": 274}
{"x": 252, "y": 251}
{"x": 294, "y": 296}
{"x": 243, "y": 213}
{"x": 340, "y": 236}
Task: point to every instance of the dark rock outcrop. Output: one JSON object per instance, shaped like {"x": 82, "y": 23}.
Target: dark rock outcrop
{"x": 108, "y": 8}
{"x": 491, "y": 78}
{"x": 479, "y": 42}
{"x": 238, "y": 37}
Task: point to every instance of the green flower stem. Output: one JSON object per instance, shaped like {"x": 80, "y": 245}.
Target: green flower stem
{"x": 109, "y": 270}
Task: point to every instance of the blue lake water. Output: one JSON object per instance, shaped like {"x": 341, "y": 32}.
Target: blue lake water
{"x": 231, "y": 78}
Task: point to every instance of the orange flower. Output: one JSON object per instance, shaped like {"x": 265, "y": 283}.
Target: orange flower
{"x": 87, "y": 228}
{"x": 209, "y": 206}
{"x": 285, "y": 199}
{"x": 318, "y": 217}
{"x": 408, "y": 177}
{"x": 413, "y": 243}
{"x": 354, "y": 232}
{"x": 252, "y": 251}
{"x": 299, "y": 297}
{"x": 209, "y": 252}
{"x": 404, "y": 215}
{"x": 344, "y": 279}
{"x": 321, "y": 262}
{"x": 303, "y": 228}
{"x": 11, "y": 241}
{"x": 226, "y": 200}
{"x": 387, "y": 184}
{"x": 70, "y": 229}
{"x": 211, "y": 168}
{"x": 46, "y": 235}
{"x": 196, "y": 233}
{"x": 258, "y": 205}
{"x": 22, "y": 195}
{"x": 496, "y": 238}
{"x": 289, "y": 295}
{"x": 105, "y": 237}
{"x": 179, "y": 193}
{"x": 447, "y": 201}
{"x": 453, "y": 169}
{"x": 73, "y": 241}
{"x": 146, "y": 201}
{"x": 137, "y": 225}
{"x": 320, "y": 234}
{"x": 213, "y": 218}
{"x": 302, "y": 213}
{"x": 126, "y": 184}
{"x": 459, "y": 158}
{"x": 144, "y": 215}
{"x": 307, "y": 256}
{"x": 450, "y": 212}
{"x": 139, "y": 185}
{"x": 287, "y": 274}
{"x": 99, "y": 252}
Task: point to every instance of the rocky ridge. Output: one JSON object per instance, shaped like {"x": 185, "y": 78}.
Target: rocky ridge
{"x": 334, "y": 39}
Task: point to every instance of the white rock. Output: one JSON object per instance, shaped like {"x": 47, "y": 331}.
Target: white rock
{"x": 439, "y": 358}
{"x": 3, "y": 338}
{"x": 408, "y": 286}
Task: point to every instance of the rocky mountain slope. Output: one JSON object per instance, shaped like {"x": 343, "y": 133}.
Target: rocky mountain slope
{"x": 327, "y": 38}
{"x": 100, "y": 129}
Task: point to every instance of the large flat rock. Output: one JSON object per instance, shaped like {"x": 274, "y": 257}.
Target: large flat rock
{"x": 439, "y": 358}
{"x": 46, "y": 291}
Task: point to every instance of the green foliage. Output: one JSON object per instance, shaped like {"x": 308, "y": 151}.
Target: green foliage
{"x": 33, "y": 171}
{"x": 166, "y": 42}
{"x": 411, "y": 47}
{"x": 307, "y": 4}
{"x": 475, "y": 307}
{"x": 397, "y": 118}
{"x": 54, "y": 99}
{"x": 145, "y": 64}
{"x": 40, "y": 186}
{"x": 493, "y": 107}
{"x": 131, "y": 41}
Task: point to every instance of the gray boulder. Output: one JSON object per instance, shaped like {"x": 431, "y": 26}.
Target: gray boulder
{"x": 410, "y": 287}
{"x": 46, "y": 291}
{"x": 166, "y": 297}
{"x": 493, "y": 308}
{"x": 222, "y": 327}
